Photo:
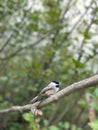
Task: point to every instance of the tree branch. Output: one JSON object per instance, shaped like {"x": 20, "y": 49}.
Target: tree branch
{"x": 6, "y": 43}
{"x": 92, "y": 81}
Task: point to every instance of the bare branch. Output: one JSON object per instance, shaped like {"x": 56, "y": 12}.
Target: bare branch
{"x": 6, "y": 43}
{"x": 92, "y": 113}
{"x": 92, "y": 81}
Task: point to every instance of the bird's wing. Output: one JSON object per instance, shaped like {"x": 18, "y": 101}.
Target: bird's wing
{"x": 34, "y": 100}
{"x": 47, "y": 90}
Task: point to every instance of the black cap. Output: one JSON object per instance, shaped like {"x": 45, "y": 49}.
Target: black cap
{"x": 54, "y": 81}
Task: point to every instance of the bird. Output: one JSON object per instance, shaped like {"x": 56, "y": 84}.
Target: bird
{"x": 49, "y": 90}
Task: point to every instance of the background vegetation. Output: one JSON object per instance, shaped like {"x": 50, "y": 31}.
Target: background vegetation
{"x": 44, "y": 40}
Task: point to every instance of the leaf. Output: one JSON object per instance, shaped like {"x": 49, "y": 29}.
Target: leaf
{"x": 86, "y": 34}
{"x": 83, "y": 103}
{"x": 4, "y": 78}
{"x": 77, "y": 63}
{"x": 95, "y": 106}
{"x": 28, "y": 117}
{"x": 45, "y": 122}
{"x": 94, "y": 125}
{"x": 96, "y": 92}
{"x": 67, "y": 125}
{"x": 53, "y": 128}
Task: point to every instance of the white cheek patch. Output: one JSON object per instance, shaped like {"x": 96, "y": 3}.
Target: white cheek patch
{"x": 57, "y": 89}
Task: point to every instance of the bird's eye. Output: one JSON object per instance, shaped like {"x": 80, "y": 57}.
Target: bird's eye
{"x": 57, "y": 86}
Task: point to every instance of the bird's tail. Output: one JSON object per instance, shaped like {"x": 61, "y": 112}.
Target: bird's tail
{"x": 34, "y": 100}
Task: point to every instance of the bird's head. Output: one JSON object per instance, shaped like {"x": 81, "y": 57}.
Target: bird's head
{"x": 56, "y": 83}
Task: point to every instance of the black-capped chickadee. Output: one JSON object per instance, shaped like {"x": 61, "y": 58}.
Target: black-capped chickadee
{"x": 49, "y": 90}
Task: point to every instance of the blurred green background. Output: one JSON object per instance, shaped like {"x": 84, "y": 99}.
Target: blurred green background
{"x": 44, "y": 40}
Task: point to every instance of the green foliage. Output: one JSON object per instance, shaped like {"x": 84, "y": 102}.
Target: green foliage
{"x": 42, "y": 41}
{"x": 96, "y": 92}
{"x": 94, "y": 125}
{"x": 82, "y": 103}
{"x": 53, "y": 128}
{"x": 3, "y": 79}
{"x": 65, "y": 125}
{"x": 15, "y": 126}
{"x": 77, "y": 63}
{"x": 61, "y": 125}
{"x": 30, "y": 118}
